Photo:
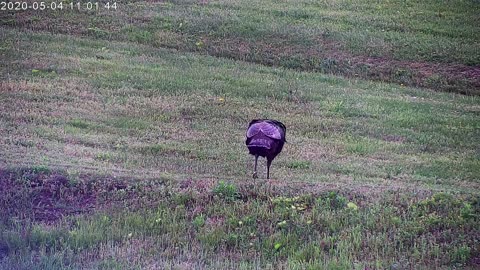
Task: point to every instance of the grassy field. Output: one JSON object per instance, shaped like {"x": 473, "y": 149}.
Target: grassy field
{"x": 122, "y": 136}
{"x": 433, "y": 44}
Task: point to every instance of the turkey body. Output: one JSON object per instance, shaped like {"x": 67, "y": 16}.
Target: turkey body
{"x": 265, "y": 138}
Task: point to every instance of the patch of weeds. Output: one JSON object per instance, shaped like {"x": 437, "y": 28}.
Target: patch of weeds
{"x": 360, "y": 146}
{"x": 232, "y": 240}
{"x": 293, "y": 62}
{"x": 8, "y": 22}
{"x": 299, "y": 164}
{"x": 41, "y": 236}
{"x": 24, "y": 143}
{"x": 128, "y": 123}
{"x": 98, "y": 33}
{"x": 435, "y": 81}
{"x": 338, "y": 107}
{"x": 447, "y": 169}
{"x": 309, "y": 253}
{"x": 73, "y": 177}
{"x": 78, "y": 123}
{"x": 142, "y": 36}
{"x": 165, "y": 177}
{"x": 294, "y": 203}
{"x": 183, "y": 199}
{"x": 44, "y": 73}
{"x": 442, "y": 211}
{"x": 238, "y": 222}
{"x": 226, "y": 191}
{"x": 165, "y": 23}
{"x": 103, "y": 156}
{"x": 329, "y": 65}
{"x": 172, "y": 149}
{"x": 467, "y": 211}
{"x": 156, "y": 149}
{"x": 110, "y": 263}
{"x": 198, "y": 221}
{"x": 403, "y": 75}
{"x": 461, "y": 254}
{"x": 41, "y": 169}
{"x": 394, "y": 171}
{"x": 11, "y": 241}
{"x": 213, "y": 238}
{"x": 332, "y": 201}
{"x": 357, "y": 148}
{"x": 137, "y": 34}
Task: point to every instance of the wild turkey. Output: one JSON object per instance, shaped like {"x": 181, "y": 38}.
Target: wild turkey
{"x": 265, "y": 138}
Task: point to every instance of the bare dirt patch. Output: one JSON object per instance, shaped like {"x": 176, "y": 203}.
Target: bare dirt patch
{"x": 42, "y": 196}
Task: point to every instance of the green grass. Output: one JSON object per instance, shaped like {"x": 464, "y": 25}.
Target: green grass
{"x": 431, "y": 44}
{"x": 165, "y": 112}
{"x": 209, "y": 228}
{"x": 122, "y": 144}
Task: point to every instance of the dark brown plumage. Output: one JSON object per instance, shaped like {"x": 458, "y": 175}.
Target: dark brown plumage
{"x": 265, "y": 138}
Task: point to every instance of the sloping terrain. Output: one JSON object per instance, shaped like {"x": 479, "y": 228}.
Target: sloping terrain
{"x": 120, "y": 150}
{"x": 418, "y": 43}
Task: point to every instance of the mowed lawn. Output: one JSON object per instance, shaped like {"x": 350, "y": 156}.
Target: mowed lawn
{"x": 121, "y": 154}
{"x": 433, "y": 44}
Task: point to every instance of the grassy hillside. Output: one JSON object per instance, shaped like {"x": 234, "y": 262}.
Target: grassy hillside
{"x": 120, "y": 150}
{"x": 432, "y": 44}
